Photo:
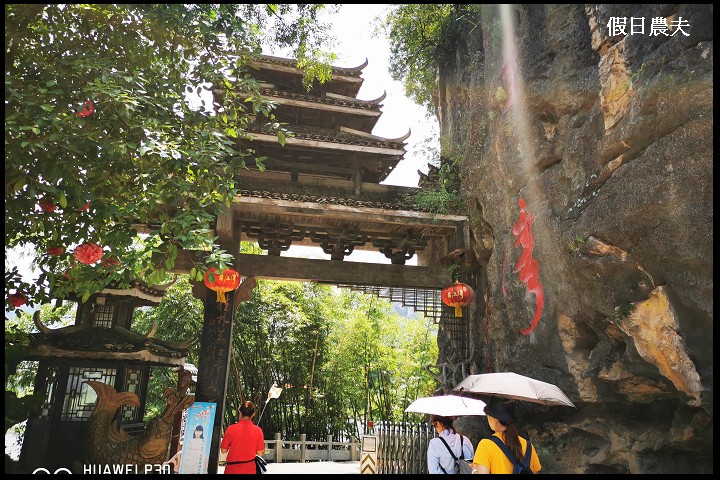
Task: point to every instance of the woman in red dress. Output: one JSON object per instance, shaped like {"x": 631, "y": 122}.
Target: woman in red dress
{"x": 242, "y": 441}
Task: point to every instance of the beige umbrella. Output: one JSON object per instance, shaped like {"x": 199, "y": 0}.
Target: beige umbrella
{"x": 512, "y": 385}
{"x": 447, "y": 406}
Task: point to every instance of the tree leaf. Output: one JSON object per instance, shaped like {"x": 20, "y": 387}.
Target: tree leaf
{"x": 19, "y": 184}
{"x": 139, "y": 152}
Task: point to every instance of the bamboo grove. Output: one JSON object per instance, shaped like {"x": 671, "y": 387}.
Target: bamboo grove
{"x": 342, "y": 358}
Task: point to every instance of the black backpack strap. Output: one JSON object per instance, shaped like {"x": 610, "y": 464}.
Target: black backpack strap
{"x": 448, "y": 447}
{"x": 508, "y": 453}
{"x": 449, "y": 450}
{"x": 462, "y": 453}
{"x": 504, "y": 448}
{"x": 462, "y": 450}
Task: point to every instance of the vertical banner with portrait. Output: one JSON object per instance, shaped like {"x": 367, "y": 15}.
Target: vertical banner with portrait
{"x": 197, "y": 439}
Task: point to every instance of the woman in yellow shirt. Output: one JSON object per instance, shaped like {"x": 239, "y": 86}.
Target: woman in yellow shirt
{"x": 489, "y": 458}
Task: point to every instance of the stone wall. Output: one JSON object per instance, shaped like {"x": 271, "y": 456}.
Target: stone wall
{"x": 608, "y": 141}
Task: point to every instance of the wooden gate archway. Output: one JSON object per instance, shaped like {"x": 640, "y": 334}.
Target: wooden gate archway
{"x": 322, "y": 188}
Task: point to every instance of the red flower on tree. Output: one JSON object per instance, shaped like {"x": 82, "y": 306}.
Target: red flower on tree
{"x": 47, "y": 205}
{"x": 17, "y": 299}
{"x": 55, "y": 251}
{"x": 110, "y": 263}
{"x": 69, "y": 277}
{"x": 88, "y": 109}
{"x": 88, "y": 253}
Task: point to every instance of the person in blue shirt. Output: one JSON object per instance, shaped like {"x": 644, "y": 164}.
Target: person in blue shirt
{"x": 439, "y": 458}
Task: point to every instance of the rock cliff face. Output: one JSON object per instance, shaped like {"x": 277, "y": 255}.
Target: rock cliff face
{"x": 607, "y": 138}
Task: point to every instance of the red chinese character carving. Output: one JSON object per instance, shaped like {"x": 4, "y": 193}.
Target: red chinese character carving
{"x": 526, "y": 267}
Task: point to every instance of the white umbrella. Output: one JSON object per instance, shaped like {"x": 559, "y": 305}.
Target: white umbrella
{"x": 447, "y": 406}
{"x": 512, "y": 385}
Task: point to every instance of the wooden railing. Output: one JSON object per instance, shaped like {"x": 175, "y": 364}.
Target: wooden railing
{"x": 402, "y": 448}
{"x": 280, "y": 450}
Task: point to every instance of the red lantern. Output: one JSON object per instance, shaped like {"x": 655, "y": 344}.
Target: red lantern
{"x": 88, "y": 253}
{"x": 226, "y": 281}
{"x": 55, "y": 251}
{"x": 17, "y": 299}
{"x": 458, "y": 295}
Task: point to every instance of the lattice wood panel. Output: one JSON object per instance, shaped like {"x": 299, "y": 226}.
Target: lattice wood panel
{"x": 429, "y": 303}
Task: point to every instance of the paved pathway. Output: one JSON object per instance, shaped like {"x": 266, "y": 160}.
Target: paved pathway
{"x": 311, "y": 468}
{"x": 314, "y": 467}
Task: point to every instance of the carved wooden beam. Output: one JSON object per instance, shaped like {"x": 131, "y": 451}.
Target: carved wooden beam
{"x": 301, "y": 142}
{"x": 290, "y": 208}
{"x": 324, "y": 106}
{"x": 329, "y": 271}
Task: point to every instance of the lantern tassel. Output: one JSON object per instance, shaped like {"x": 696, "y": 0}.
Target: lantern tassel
{"x": 221, "y": 297}
{"x": 458, "y": 312}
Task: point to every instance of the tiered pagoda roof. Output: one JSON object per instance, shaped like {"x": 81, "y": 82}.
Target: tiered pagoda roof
{"x": 330, "y": 130}
{"x": 322, "y": 188}
{"x": 284, "y": 73}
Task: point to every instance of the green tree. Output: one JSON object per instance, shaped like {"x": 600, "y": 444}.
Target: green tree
{"x": 17, "y": 407}
{"x": 418, "y": 344}
{"x": 375, "y": 362}
{"x": 274, "y": 341}
{"x": 143, "y": 171}
{"x": 422, "y": 39}
{"x": 339, "y": 355}
{"x": 179, "y": 317}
